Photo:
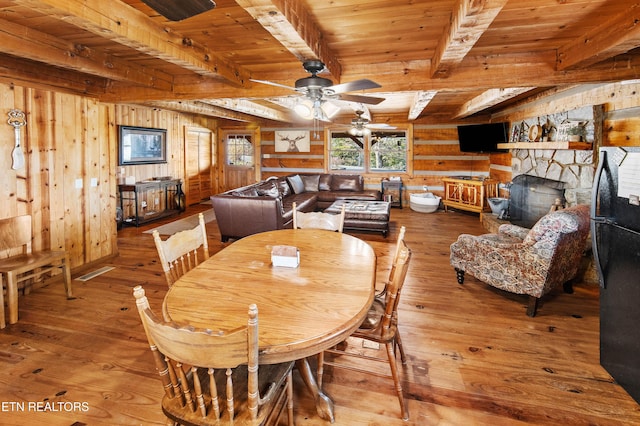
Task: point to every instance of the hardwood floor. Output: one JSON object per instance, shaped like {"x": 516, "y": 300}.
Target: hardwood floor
{"x": 474, "y": 357}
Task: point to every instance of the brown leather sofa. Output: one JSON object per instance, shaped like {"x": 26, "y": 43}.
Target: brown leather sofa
{"x": 267, "y": 205}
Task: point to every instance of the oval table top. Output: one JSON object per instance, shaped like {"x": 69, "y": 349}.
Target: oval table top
{"x": 301, "y": 311}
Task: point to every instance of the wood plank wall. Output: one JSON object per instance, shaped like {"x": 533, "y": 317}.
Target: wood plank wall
{"x": 68, "y": 184}
{"x": 434, "y": 150}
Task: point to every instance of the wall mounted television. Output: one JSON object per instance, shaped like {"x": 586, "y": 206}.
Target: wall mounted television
{"x": 483, "y": 137}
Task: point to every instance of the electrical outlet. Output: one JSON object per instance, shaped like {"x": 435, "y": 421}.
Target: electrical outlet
{"x": 156, "y": 201}
{"x": 143, "y": 204}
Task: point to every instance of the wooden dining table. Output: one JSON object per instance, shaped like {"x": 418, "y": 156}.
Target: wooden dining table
{"x": 301, "y": 310}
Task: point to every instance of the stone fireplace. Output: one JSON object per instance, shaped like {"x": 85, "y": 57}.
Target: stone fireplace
{"x": 573, "y": 168}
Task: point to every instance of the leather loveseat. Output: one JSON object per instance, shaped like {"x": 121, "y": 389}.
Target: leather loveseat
{"x": 267, "y": 205}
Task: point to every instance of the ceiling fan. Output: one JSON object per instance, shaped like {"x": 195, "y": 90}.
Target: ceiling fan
{"x": 319, "y": 92}
{"x": 361, "y": 126}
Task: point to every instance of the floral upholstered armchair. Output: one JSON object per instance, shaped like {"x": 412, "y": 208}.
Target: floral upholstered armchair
{"x": 523, "y": 261}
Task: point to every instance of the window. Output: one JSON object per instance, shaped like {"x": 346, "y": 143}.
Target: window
{"x": 385, "y": 150}
{"x": 346, "y": 152}
{"x": 239, "y": 150}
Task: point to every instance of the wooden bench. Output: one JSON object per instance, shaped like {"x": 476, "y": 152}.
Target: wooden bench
{"x": 18, "y": 263}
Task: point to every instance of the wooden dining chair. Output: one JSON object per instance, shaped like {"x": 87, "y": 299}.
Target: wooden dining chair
{"x": 214, "y": 377}
{"x": 382, "y": 294}
{"x": 384, "y": 331}
{"x": 180, "y": 252}
{"x": 318, "y": 220}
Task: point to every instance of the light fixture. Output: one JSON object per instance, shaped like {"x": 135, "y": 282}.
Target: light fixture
{"x": 304, "y": 108}
{"x": 359, "y": 125}
{"x": 329, "y": 109}
{"x": 315, "y": 109}
{"x": 359, "y": 131}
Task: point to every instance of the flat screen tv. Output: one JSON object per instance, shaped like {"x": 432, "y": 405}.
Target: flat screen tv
{"x": 483, "y": 137}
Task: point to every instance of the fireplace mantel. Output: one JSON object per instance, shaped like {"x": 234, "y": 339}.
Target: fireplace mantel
{"x": 546, "y": 145}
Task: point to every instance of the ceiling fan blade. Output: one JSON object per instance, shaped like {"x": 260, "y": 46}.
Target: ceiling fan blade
{"x": 380, "y": 126}
{"x": 271, "y": 83}
{"x": 360, "y": 99}
{"x": 353, "y": 86}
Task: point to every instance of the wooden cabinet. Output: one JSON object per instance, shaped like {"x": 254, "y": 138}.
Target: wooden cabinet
{"x": 145, "y": 201}
{"x": 468, "y": 194}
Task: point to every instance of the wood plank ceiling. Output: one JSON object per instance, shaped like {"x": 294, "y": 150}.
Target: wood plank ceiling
{"x": 436, "y": 60}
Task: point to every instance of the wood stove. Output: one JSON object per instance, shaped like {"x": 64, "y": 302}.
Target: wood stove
{"x": 531, "y": 197}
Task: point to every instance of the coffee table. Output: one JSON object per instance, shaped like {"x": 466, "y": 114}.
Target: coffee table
{"x": 361, "y": 215}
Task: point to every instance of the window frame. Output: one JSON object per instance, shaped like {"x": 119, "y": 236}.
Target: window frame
{"x": 236, "y": 135}
{"x": 367, "y": 150}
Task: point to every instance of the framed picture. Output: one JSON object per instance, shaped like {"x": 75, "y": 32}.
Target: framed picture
{"x": 142, "y": 145}
{"x": 292, "y": 141}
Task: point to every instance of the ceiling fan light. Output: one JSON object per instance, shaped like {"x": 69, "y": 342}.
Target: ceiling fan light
{"x": 329, "y": 109}
{"x": 304, "y": 108}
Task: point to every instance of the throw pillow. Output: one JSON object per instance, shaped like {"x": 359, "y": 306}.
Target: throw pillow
{"x": 324, "y": 183}
{"x": 296, "y": 184}
{"x": 283, "y": 185}
{"x": 310, "y": 182}
{"x": 345, "y": 183}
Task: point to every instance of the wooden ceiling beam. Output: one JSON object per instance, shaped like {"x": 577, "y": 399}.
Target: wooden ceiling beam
{"x": 469, "y": 20}
{"x": 292, "y": 25}
{"x": 420, "y": 101}
{"x": 249, "y": 107}
{"x": 499, "y": 71}
{"x": 34, "y": 45}
{"x": 611, "y": 38}
{"x": 202, "y": 108}
{"x": 24, "y": 72}
{"x": 118, "y": 22}
{"x": 488, "y": 99}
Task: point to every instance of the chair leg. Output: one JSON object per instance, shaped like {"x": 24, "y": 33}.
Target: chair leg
{"x": 404, "y": 411}
{"x": 532, "y": 306}
{"x": 290, "y": 398}
{"x": 66, "y": 270}
{"x": 398, "y": 342}
{"x": 568, "y": 287}
{"x": 3, "y": 324}
{"x": 12, "y": 297}
{"x": 460, "y": 275}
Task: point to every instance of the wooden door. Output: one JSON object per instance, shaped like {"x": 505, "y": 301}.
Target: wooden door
{"x": 241, "y": 151}
{"x": 198, "y": 164}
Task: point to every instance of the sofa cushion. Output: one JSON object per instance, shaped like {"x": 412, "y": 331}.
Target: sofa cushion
{"x": 296, "y": 184}
{"x": 268, "y": 188}
{"x": 371, "y": 195}
{"x": 324, "y": 183}
{"x": 345, "y": 183}
{"x": 305, "y": 202}
{"x": 310, "y": 182}
{"x": 246, "y": 192}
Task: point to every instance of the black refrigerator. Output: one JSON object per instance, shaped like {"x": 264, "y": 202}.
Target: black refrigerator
{"x": 615, "y": 232}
